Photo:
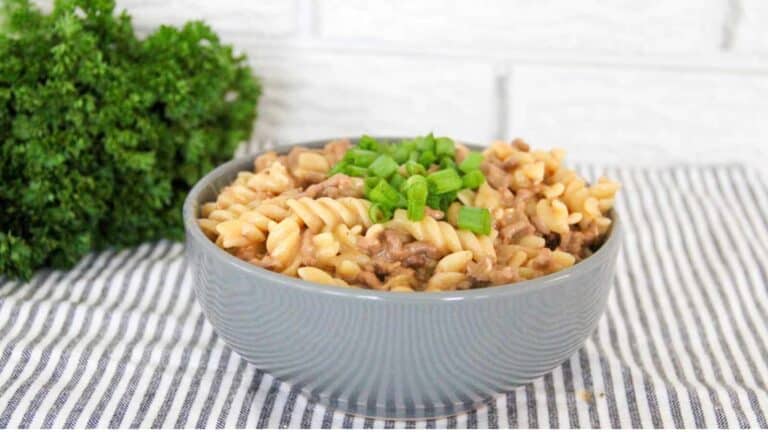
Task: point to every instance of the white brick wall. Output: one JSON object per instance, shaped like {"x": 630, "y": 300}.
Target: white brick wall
{"x": 230, "y": 18}
{"x": 557, "y": 25}
{"x": 309, "y": 95}
{"x": 640, "y": 116}
{"x": 641, "y": 82}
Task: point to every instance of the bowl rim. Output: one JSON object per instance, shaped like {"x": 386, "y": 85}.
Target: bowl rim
{"x": 229, "y": 168}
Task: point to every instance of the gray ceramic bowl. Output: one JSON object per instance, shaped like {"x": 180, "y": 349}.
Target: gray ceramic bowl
{"x": 393, "y": 354}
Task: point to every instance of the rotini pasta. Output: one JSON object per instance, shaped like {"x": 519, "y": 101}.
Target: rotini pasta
{"x": 283, "y": 244}
{"x": 444, "y": 236}
{"x": 327, "y": 213}
{"x": 511, "y": 215}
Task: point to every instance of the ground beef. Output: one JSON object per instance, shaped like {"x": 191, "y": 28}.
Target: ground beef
{"x": 574, "y": 242}
{"x": 368, "y": 278}
{"x": 334, "y": 150}
{"x": 494, "y": 174}
{"x": 422, "y": 248}
{"x": 393, "y": 244}
{"x": 552, "y": 240}
{"x": 514, "y": 225}
{"x": 340, "y": 185}
{"x": 394, "y": 252}
{"x": 485, "y": 271}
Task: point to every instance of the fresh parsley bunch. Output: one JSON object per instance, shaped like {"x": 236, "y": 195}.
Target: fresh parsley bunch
{"x": 103, "y": 133}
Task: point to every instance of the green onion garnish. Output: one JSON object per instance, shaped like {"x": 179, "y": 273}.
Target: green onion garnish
{"x": 444, "y": 147}
{"x": 427, "y": 158}
{"x": 433, "y": 201}
{"x": 383, "y": 166}
{"x": 417, "y": 201}
{"x": 355, "y": 171}
{"x": 397, "y": 181}
{"x": 447, "y": 162}
{"x": 370, "y": 183}
{"x": 378, "y": 213}
{"x": 396, "y": 176}
{"x": 401, "y": 153}
{"x": 413, "y": 168}
{"x": 446, "y": 180}
{"x": 368, "y": 143}
{"x": 477, "y": 220}
{"x": 338, "y": 168}
{"x": 385, "y": 195}
{"x": 473, "y": 179}
{"x": 426, "y": 143}
{"x": 446, "y": 199}
{"x": 416, "y": 191}
{"x": 471, "y": 162}
{"x": 361, "y": 157}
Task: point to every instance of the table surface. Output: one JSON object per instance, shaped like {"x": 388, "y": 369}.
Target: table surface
{"x": 120, "y": 341}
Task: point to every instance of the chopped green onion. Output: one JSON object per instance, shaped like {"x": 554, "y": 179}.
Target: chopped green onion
{"x": 383, "y": 166}
{"x": 378, "y": 213}
{"x": 355, "y": 171}
{"x": 427, "y": 158}
{"x": 385, "y": 195}
{"x": 473, "y": 179}
{"x": 397, "y": 181}
{"x": 477, "y": 220}
{"x": 360, "y": 157}
{"x": 444, "y": 147}
{"x": 433, "y": 201}
{"x": 446, "y": 199}
{"x": 402, "y": 201}
{"x": 370, "y": 183}
{"x": 368, "y": 143}
{"x": 401, "y": 153}
{"x": 410, "y": 145}
{"x": 447, "y": 162}
{"x": 417, "y": 200}
{"x": 415, "y": 180}
{"x": 427, "y": 143}
{"x": 413, "y": 168}
{"x": 446, "y": 180}
{"x": 338, "y": 168}
{"x": 471, "y": 162}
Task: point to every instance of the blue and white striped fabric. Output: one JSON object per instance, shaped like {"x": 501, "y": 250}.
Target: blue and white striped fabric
{"x": 119, "y": 341}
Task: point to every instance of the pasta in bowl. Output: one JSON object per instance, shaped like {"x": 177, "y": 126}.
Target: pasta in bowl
{"x": 381, "y": 349}
{"x": 422, "y": 214}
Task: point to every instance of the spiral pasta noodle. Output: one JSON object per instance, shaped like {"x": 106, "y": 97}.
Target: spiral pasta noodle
{"x": 283, "y": 243}
{"x": 444, "y": 236}
{"x": 327, "y": 213}
{"x": 274, "y": 179}
{"x": 450, "y": 271}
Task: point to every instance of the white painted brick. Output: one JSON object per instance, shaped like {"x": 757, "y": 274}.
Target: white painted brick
{"x": 227, "y": 17}
{"x": 751, "y": 30}
{"x": 641, "y": 116}
{"x": 309, "y": 95}
{"x": 554, "y": 25}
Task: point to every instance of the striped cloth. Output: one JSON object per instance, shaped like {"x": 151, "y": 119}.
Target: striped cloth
{"x": 120, "y": 342}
